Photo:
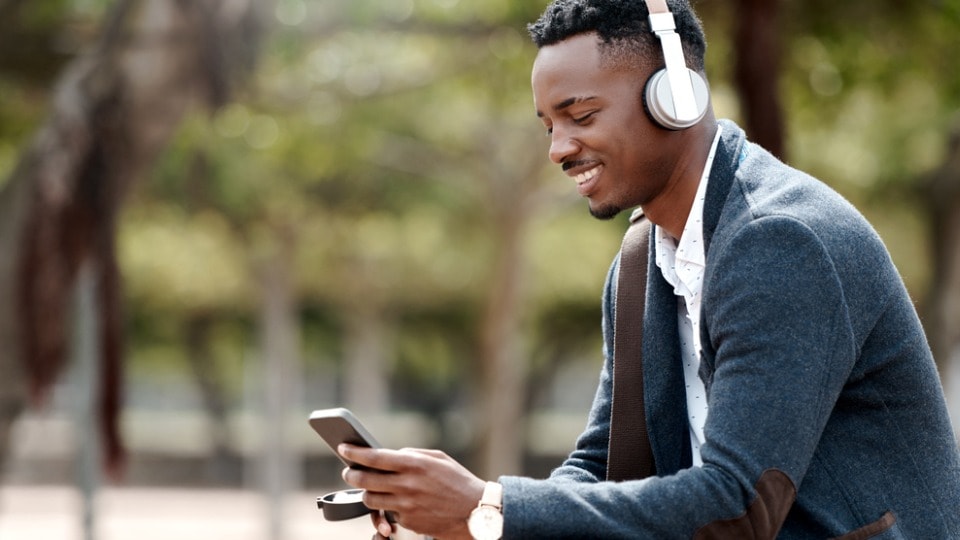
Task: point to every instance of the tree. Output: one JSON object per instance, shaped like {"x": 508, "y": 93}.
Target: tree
{"x": 113, "y": 110}
{"x": 757, "y": 71}
{"x": 939, "y": 194}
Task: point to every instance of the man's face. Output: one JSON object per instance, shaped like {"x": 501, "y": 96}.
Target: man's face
{"x": 599, "y": 132}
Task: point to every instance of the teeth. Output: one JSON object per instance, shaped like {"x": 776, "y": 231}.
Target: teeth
{"x": 585, "y": 176}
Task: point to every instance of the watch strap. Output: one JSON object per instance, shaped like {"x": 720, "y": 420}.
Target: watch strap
{"x": 492, "y": 495}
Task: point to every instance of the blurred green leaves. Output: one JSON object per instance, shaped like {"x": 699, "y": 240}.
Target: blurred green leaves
{"x": 391, "y": 142}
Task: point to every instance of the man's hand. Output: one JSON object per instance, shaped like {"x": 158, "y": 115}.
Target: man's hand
{"x": 426, "y": 490}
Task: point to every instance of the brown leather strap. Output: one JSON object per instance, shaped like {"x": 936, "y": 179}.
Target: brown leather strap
{"x": 629, "y": 455}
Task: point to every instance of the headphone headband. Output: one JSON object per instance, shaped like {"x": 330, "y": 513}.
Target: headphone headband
{"x": 657, "y": 6}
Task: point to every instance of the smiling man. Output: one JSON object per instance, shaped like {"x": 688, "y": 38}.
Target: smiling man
{"x": 788, "y": 386}
{"x": 590, "y": 100}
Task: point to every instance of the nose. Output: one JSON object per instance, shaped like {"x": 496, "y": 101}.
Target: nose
{"x": 562, "y": 147}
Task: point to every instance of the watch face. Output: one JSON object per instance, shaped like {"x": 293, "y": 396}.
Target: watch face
{"x": 486, "y": 523}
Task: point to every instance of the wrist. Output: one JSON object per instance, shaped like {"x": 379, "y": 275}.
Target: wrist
{"x": 486, "y": 520}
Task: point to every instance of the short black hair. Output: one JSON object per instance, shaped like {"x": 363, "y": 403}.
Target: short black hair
{"x": 622, "y": 27}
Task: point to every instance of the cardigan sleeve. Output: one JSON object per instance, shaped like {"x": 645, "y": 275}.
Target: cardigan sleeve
{"x": 777, "y": 352}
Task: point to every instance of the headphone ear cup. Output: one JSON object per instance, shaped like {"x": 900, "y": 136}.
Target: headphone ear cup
{"x": 658, "y": 100}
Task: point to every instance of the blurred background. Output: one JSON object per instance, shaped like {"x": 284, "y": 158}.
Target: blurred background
{"x": 219, "y": 215}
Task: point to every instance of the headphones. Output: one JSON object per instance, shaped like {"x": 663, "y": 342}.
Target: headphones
{"x": 676, "y": 97}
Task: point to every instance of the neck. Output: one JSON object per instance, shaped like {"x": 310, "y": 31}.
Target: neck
{"x": 671, "y": 210}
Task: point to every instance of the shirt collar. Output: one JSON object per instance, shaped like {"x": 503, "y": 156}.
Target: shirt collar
{"x": 669, "y": 253}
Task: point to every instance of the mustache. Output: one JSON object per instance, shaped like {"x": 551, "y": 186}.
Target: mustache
{"x": 567, "y": 165}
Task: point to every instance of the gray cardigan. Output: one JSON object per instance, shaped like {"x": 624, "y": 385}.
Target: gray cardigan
{"x": 826, "y": 413}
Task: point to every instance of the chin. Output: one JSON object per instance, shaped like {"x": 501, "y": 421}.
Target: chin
{"x": 604, "y": 212}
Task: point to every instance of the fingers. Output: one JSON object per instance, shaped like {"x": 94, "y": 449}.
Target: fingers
{"x": 372, "y": 458}
{"x": 383, "y": 526}
{"x": 388, "y": 460}
{"x": 428, "y": 491}
{"x": 370, "y": 479}
{"x": 436, "y": 454}
{"x": 385, "y": 529}
{"x": 382, "y": 490}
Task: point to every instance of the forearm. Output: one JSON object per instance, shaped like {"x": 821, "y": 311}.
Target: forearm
{"x": 764, "y": 422}
{"x": 649, "y": 508}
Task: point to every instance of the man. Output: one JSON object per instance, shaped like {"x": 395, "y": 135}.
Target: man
{"x": 789, "y": 388}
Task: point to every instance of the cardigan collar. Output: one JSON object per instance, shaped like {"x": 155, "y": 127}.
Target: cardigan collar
{"x": 730, "y": 151}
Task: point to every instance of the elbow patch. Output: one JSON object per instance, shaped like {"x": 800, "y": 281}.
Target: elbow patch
{"x": 765, "y": 515}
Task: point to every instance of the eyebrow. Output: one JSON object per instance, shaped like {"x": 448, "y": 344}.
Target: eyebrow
{"x": 567, "y": 103}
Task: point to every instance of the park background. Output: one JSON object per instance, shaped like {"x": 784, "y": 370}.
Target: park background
{"x": 219, "y": 215}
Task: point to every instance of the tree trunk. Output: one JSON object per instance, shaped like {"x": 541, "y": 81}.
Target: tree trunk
{"x": 365, "y": 362}
{"x": 757, "y": 48}
{"x": 499, "y": 410}
{"x": 13, "y": 382}
{"x": 113, "y": 111}
{"x": 280, "y": 346}
{"x": 502, "y": 362}
{"x": 940, "y": 193}
{"x": 210, "y": 383}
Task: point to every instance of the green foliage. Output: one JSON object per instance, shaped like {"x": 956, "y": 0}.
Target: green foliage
{"x": 870, "y": 101}
{"x": 386, "y": 140}
{"x": 177, "y": 261}
{"x": 870, "y": 89}
{"x": 366, "y": 143}
{"x": 20, "y": 114}
{"x": 43, "y": 14}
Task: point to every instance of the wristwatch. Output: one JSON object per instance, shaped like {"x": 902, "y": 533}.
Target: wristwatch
{"x": 486, "y": 520}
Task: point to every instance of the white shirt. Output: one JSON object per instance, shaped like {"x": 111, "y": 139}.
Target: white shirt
{"x": 682, "y": 266}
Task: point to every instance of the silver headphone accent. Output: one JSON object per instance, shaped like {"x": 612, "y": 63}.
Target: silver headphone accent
{"x": 676, "y": 96}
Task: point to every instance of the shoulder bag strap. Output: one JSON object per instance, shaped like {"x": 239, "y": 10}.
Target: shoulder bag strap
{"x": 629, "y": 455}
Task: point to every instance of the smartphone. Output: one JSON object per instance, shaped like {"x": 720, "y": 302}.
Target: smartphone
{"x": 339, "y": 425}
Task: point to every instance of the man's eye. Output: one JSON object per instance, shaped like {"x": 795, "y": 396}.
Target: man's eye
{"x": 584, "y": 118}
